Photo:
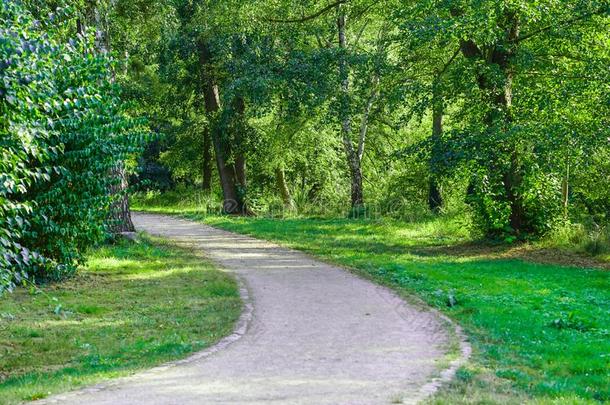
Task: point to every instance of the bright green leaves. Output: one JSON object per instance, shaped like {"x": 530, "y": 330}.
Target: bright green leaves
{"x": 63, "y": 128}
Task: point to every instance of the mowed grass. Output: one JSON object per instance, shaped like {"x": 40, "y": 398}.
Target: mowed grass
{"x": 540, "y": 332}
{"x": 135, "y": 305}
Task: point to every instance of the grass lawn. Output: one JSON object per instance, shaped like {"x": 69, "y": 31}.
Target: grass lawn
{"x": 135, "y": 305}
{"x": 538, "y": 318}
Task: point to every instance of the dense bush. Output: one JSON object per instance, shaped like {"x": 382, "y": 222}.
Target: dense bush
{"x": 62, "y": 128}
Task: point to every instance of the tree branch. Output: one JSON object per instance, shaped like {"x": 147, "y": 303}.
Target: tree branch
{"x": 450, "y": 61}
{"x": 570, "y": 21}
{"x": 308, "y": 17}
{"x": 322, "y": 44}
{"x": 360, "y": 13}
{"x": 470, "y": 50}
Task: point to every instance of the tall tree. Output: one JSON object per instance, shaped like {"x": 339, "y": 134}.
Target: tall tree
{"x": 359, "y": 52}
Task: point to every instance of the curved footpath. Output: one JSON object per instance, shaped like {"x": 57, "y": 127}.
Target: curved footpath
{"x": 311, "y": 333}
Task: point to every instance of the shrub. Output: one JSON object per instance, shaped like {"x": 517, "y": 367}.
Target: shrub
{"x": 62, "y": 128}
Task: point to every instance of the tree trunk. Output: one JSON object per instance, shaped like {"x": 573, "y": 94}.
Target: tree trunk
{"x": 356, "y": 184}
{"x": 514, "y": 176}
{"x": 512, "y": 181}
{"x": 226, "y": 171}
{"x": 500, "y": 113}
{"x": 119, "y": 210}
{"x": 120, "y": 215}
{"x": 240, "y": 159}
{"x": 282, "y": 186}
{"x": 357, "y": 197}
{"x": 435, "y": 200}
{"x": 565, "y": 190}
{"x": 206, "y": 174}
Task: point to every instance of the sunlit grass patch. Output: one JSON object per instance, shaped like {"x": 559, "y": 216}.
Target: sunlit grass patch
{"x": 135, "y": 304}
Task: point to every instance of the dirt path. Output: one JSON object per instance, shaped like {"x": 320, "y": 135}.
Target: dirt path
{"x": 316, "y": 335}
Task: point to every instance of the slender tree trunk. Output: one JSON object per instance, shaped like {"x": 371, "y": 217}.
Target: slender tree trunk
{"x": 354, "y": 164}
{"x": 226, "y": 171}
{"x": 565, "y": 190}
{"x": 119, "y": 210}
{"x": 240, "y": 158}
{"x": 356, "y": 176}
{"x": 282, "y": 186}
{"x": 206, "y": 170}
{"x": 435, "y": 200}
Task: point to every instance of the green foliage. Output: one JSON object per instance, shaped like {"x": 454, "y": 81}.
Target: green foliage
{"x": 180, "y": 200}
{"x": 532, "y": 101}
{"x": 521, "y": 85}
{"x": 63, "y": 129}
{"x": 591, "y": 239}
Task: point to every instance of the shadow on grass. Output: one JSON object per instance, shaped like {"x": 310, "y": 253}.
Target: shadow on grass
{"x": 427, "y": 239}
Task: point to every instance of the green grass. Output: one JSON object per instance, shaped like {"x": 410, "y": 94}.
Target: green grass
{"x": 182, "y": 201}
{"x": 540, "y": 330}
{"x": 579, "y": 244}
{"x": 135, "y": 305}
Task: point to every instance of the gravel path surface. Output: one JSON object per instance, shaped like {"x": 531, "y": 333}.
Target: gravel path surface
{"x": 311, "y": 333}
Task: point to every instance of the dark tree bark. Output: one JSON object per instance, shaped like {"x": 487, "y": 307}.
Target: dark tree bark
{"x": 499, "y": 115}
{"x": 120, "y": 214}
{"x": 514, "y": 175}
{"x": 232, "y": 203}
{"x": 565, "y": 190}
{"x": 240, "y": 159}
{"x": 226, "y": 173}
{"x": 206, "y": 170}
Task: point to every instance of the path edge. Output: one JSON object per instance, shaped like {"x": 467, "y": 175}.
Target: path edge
{"x": 447, "y": 374}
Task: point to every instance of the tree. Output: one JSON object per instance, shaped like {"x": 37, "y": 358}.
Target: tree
{"x": 361, "y": 53}
{"x": 495, "y": 40}
{"x": 95, "y": 14}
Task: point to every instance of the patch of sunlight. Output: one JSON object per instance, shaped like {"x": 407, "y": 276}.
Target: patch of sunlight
{"x": 152, "y": 275}
{"x": 469, "y": 258}
{"x": 348, "y": 236}
{"x": 544, "y": 291}
{"x": 54, "y": 323}
{"x": 407, "y": 233}
{"x": 108, "y": 263}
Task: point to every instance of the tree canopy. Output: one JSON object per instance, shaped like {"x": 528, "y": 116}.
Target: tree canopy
{"x": 496, "y": 109}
